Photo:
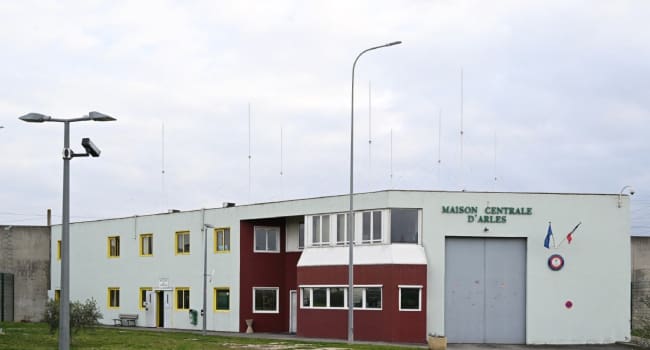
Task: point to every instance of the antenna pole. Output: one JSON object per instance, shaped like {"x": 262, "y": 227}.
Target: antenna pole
{"x": 249, "y": 152}
{"x": 281, "y": 165}
{"x": 462, "y": 168}
{"x": 162, "y": 171}
{"x": 369, "y": 137}
{"x": 439, "y": 144}
{"x": 391, "y": 158}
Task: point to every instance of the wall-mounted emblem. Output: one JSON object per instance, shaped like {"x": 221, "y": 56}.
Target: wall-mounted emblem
{"x": 555, "y": 262}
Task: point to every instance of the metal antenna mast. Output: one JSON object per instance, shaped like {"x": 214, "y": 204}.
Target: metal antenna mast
{"x": 369, "y": 137}
{"x": 249, "y": 152}
{"x": 462, "y": 168}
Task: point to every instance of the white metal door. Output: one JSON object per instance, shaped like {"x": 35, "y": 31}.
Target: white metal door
{"x": 293, "y": 311}
{"x": 168, "y": 308}
{"x": 150, "y": 307}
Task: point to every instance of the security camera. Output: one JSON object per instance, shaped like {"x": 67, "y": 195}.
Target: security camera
{"x": 90, "y": 147}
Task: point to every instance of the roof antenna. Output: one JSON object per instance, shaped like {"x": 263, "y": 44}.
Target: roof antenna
{"x": 495, "y": 161}
{"x": 391, "y": 158}
{"x": 162, "y": 171}
{"x": 281, "y": 165}
{"x": 249, "y": 153}
{"x": 369, "y": 137}
{"x": 462, "y": 168}
{"x": 439, "y": 145}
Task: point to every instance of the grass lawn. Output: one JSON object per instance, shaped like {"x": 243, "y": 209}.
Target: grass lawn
{"x": 28, "y": 336}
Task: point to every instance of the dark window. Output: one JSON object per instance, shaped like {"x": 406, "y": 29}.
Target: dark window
{"x": 337, "y": 297}
{"x": 320, "y": 297}
{"x": 409, "y": 299}
{"x": 266, "y": 300}
{"x": 404, "y": 225}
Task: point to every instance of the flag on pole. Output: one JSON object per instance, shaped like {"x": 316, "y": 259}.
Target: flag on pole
{"x": 549, "y": 234}
{"x": 569, "y": 236}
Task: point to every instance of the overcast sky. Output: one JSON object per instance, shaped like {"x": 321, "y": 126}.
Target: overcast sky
{"x": 556, "y": 98}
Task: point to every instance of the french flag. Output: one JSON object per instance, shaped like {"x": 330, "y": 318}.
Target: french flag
{"x": 549, "y": 234}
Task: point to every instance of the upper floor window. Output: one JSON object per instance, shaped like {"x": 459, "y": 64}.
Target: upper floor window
{"x": 342, "y": 228}
{"x": 146, "y": 244}
{"x": 404, "y": 225}
{"x": 371, "y": 226}
{"x": 320, "y": 229}
{"x": 301, "y": 236}
{"x": 221, "y": 240}
{"x": 267, "y": 239}
{"x": 183, "y": 242}
{"x": 58, "y": 250}
{"x": 114, "y": 246}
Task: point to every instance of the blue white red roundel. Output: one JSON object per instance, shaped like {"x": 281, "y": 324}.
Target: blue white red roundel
{"x": 555, "y": 262}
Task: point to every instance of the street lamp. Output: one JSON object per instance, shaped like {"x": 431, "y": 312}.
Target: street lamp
{"x": 205, "y": 274}
{"x": 91, "y": 150}
{"x": 351, "y": 214}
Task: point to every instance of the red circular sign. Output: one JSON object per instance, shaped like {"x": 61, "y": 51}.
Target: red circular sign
{"x": 555, "y": 262}
{"x": 568, "y": 304}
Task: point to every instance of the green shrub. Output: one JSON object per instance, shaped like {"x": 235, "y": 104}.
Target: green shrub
{"x": 82, "y": 315}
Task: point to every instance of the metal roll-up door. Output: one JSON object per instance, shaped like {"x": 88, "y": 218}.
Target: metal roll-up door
{"x": 485, "y": 290}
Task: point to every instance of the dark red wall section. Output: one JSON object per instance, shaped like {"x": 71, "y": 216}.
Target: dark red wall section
{"x": 265, "y": 270}
{"x": 388, "y": 324}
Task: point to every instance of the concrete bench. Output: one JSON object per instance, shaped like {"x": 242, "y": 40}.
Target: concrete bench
{"x": 126, "y": 320}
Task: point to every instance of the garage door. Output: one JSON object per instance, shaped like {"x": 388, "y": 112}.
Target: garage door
{"x": 485, "y": 290}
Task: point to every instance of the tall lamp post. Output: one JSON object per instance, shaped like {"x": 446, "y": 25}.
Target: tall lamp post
{"x": 205, "y": 274}
{"x": 351, "y": 214}
{"x": 91, "y": 150}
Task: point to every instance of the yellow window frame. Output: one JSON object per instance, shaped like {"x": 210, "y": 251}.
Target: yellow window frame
{"x": 142, "y": 238}
{"x": 58, "y": 250}
{"x": 109, "y": 252}
{"x": 181, "y": 289}
{"x": 216, "y": 304}
{"x": 142, "y": 296}
{"x": 176, "y": 236}
{"x": 221, "y": 231}
{"x": 57, "y": 295}
{"x": 109, "y": 301}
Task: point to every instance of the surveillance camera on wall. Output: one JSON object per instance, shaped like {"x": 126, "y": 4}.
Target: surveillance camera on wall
{"x": 90, "y": 147}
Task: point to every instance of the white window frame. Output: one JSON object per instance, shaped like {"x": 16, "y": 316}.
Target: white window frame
{"x": 310, "y": 289}
{"x": 277, "y": 239}
{"x": 382, "y": 225}
{"x": 319, "y": 241}
{"x": 399, "y": 301}
{"x": 345, "y": 240}
{"x": 277, "y": 300}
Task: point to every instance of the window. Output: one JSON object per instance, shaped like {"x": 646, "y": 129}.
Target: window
{"x": 336, "y": 297}
{"x": 221, "y": 299}
{"x": 265, "y": 300}
{"x": 57, "y": 295}
{"x": 371, "y": 226}
{"x": 58, "y": 250}
{"x": 113, "y": 297}
{"x": 367, "y": 297}
{"x": 410, "y": 298}
{"x": 143, "y": 296}
{"x": 182, "y": 298}
{"x": 342, "y": 228}
{"x": 301, "y": 236}
{"x": 267, "y": 239}
{"x": 182, "y": 242}
{"x": 221, "y": 240}
{"x": 114, "y": 246}
{"x": 146, "y": 244}
{"x": 404, "y": 226}
{"x": 320, "y": 229}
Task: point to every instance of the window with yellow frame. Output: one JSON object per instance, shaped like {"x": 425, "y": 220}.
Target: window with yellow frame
{"x": 143, "y": 296}
{"x": 182, "y": 242}
{"x": 146, "y": 244}
{"x": 113, "y": 297}
{"x": 57, "y": 295}
{"x": 222, "y": 240}
{"x": 58, "y": 250}
{"x": 182, "y": 295}
{"x": 222, "y": 299}
{"x": 113, "y": 247}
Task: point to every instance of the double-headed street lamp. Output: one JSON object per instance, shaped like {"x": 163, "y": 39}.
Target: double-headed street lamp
{"x": 91, "y": 150}
{"x": 351, "y": 214}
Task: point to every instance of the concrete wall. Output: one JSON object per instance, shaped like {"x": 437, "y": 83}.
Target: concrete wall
{"x": 25, "y": 253}
{"x": 640, "y": 281}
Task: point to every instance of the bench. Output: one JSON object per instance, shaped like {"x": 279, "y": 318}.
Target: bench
{"x": 125, "y": 320}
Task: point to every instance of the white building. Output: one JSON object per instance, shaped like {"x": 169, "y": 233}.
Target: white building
{"x": 469, "y": 265}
